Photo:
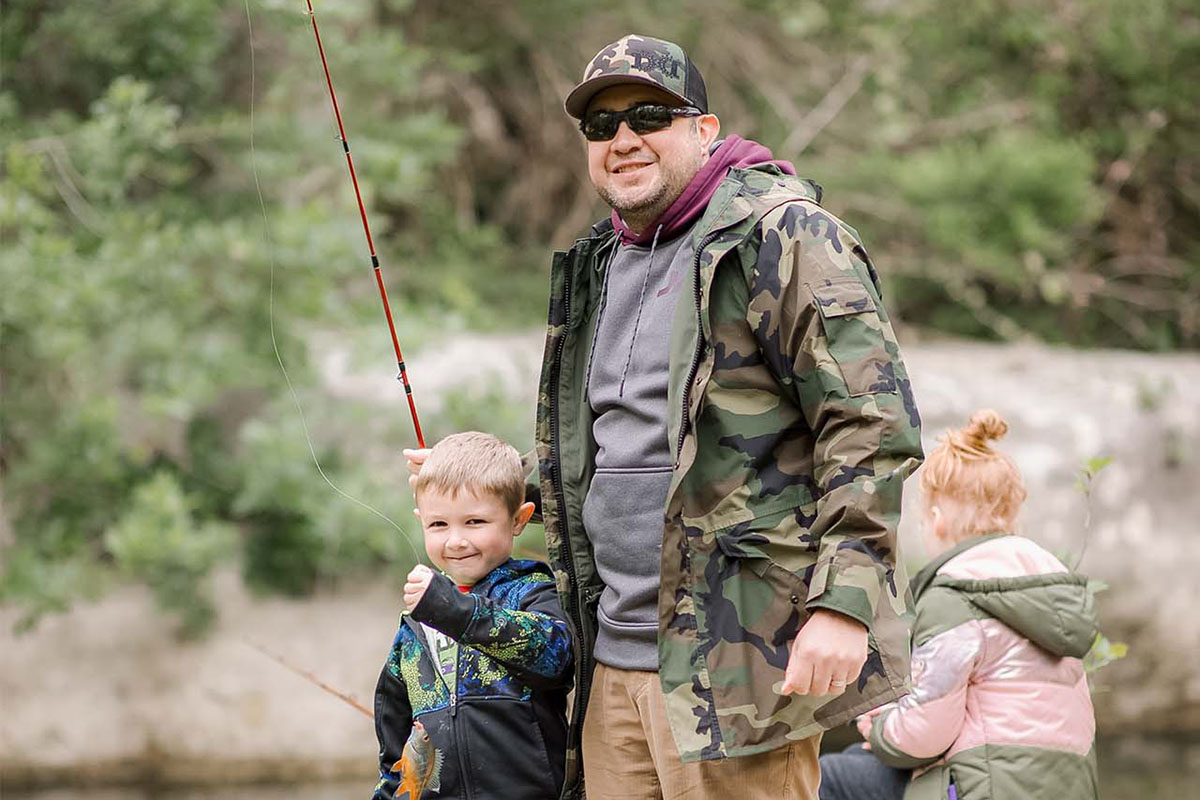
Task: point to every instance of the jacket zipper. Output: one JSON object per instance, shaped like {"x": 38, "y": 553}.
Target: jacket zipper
{"x": 685, "y": 419}
{"x": 458, "y": 739}
{"x": 419, "y": 631}
{"x": 573, "y": 611}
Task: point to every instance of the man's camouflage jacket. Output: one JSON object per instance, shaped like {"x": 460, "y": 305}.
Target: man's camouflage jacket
{"x": 793, "y": 423}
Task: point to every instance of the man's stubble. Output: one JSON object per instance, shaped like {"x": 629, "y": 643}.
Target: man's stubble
{"x": 639, "y": 215}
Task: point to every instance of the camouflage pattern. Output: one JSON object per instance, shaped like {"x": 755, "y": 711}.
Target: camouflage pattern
{"x": 795, "y": 426}
{"x": 640, "y": 59}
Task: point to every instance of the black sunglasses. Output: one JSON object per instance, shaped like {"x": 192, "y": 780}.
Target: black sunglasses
{"x": 600, "y": 126}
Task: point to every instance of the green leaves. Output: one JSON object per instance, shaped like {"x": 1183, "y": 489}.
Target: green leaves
{"x": 989, "y": 205}
{"x": 1088, "y": 471}
{"x": 1103, "y": 653}
{"x": 131, "y": 138}
{"x": 66, "y": 54}
{"x": 159, "y": 541}
{"x": 139, "y": 356}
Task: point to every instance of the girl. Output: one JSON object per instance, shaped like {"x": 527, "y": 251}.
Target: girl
{"x": 1000, "y": 707}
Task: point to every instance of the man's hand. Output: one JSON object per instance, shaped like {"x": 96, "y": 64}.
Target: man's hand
{"x": 415, "y": 459}
{"x": 415, "y": 585}
{"x": 828, "y": 653}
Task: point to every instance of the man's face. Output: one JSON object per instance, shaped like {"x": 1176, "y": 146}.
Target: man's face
{"x": 641, "y": 175}
{"x": 467, "y": 535}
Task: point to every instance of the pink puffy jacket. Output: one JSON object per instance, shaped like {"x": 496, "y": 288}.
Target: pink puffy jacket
{"x": 999, "y": 691}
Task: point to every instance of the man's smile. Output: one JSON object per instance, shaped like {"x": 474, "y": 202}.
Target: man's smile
{"x": 630, "y": 166}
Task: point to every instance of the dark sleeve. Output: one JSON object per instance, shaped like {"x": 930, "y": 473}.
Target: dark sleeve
{"x": 532, "y": 641}
{"x": 393, "y": 723}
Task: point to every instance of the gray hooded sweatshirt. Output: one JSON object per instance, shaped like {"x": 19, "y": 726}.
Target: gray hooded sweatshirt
{"x": 627, "y": 390}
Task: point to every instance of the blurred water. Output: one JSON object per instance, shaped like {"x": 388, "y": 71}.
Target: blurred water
{"x": 1132, "y": 768}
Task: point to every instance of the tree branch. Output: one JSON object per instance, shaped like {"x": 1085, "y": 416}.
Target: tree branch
{"x": 828, "y": 108}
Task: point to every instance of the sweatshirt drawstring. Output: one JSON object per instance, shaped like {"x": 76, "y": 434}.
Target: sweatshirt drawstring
{"x": 641, "y": 302}
{"x": 587, "y": 381}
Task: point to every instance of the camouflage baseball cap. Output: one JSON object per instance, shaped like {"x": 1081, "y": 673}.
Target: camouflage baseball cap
{"x": 640, "y": 59}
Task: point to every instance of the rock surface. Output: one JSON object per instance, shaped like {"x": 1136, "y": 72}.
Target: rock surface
{"x": 106, "y": 693}
{"x": 1138, "y": 532}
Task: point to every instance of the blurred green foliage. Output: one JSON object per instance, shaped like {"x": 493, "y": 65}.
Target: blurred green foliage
{"x": 1019, "y": 169}
{"x": 159, "y": 540}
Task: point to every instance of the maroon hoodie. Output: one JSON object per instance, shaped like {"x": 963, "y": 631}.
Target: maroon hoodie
{"x": 733, "y": 152}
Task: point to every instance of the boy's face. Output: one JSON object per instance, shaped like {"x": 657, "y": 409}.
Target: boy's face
{"x": 468, "y": 535}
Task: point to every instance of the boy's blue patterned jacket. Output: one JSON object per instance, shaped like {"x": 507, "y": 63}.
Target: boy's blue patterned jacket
{"x": 503, "y": 729}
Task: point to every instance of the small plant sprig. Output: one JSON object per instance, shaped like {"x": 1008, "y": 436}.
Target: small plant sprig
{"x": 1103, "y": 650}
{"x": 1085, "y": 481}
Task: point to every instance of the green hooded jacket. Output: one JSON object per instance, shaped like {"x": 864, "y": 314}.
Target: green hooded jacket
{"x": 1001, "y": 707}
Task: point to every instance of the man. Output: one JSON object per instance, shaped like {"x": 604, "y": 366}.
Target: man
{"x": 718, "y": 358}
{"x": 724, "y": 426}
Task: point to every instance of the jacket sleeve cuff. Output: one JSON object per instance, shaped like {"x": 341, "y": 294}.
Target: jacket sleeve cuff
{"x": 445, "y": 608}
{"x": 888, "y": 753}
{"x": 848, "y": 600}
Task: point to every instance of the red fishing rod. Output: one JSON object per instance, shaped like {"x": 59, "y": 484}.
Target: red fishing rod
{"x": 362, "y": 211}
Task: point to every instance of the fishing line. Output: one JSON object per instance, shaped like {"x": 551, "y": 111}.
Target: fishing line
{"x": 271, "y": 317}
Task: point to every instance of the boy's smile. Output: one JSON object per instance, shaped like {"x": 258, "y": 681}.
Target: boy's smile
{"x": 468, "y": 535}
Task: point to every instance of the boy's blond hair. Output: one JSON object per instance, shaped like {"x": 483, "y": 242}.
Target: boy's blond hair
{"x": 979, "y": 488}
{"x": 475, "y": 462}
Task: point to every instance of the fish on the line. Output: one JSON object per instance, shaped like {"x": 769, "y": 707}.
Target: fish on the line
{"x": 420, "y": 765}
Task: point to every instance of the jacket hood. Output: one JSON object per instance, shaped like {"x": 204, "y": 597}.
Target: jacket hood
{"x": 1052, "y": 609}
{"x": 687, "y": 208}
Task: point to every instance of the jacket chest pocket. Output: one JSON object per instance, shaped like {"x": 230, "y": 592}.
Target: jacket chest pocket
{"x": 854, "y": 334}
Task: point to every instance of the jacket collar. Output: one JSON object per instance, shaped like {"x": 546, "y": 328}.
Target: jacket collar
{"x": 722, "y": 210}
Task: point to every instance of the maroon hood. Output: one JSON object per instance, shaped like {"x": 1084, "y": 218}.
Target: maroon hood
{"x": 733, "y": 152}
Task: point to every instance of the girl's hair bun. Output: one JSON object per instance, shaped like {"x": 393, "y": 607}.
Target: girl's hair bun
{"x": 985, "y": 426}
{"x": 972, "y": 440}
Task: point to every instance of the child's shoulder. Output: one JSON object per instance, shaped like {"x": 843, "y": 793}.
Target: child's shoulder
{"x": 938, "y": 610}
{"x": 521, "y": 570}
{"x": 1009, "y": 556}
{"x": 516, "y": 578}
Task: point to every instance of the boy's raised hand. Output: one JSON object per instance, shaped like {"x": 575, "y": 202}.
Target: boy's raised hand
{"x": 415, "y": 459}
{"x": 415, "y": 585}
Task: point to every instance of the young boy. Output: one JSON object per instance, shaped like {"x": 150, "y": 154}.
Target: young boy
{"x": 480, "y": 666}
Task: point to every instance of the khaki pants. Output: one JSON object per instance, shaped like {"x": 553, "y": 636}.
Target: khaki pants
{"x": 630, "y": 754}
